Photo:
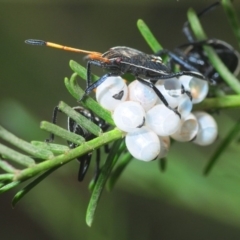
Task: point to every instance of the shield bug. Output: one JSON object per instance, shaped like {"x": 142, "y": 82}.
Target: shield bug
{"x": 78, "y": 129}
{"x": 147, "y": 69}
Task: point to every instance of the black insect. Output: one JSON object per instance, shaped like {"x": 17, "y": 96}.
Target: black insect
{"x": 191, "y": 56}
{"x": 147, "y": 69}
{"x": 84, "y": 160}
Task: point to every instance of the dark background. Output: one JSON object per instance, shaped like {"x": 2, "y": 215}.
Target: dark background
{"x": 145, "y": 204}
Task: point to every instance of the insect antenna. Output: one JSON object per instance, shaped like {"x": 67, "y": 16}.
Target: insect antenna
{"x": 91, "y": 54}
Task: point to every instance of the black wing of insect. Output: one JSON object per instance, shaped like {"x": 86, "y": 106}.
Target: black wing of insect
{"x": 147, "y": 69}
{"x": 84, "y": 160}
{"x": 191, "y": 56}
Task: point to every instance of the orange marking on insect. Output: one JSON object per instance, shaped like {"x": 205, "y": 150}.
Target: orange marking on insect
{"x": 66, "y": 48}
{"x": 91, "y": 54}
{"x": 98, "y": 57}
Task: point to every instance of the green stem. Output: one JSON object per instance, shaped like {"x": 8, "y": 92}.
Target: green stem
{"x": 104, "y": 174}
{"x": 15, "y": 156}
{"x": 23, "y": 145}
{"x": 228, "y": 101}
{"x": 30, "y": 186}
{"x": 124, "y": 161}
{"x": 70, "y": 155}
{"x": 148, "y": 36}
{"x": 222, "y": 147}
{"x": 6, "y": 176}
{"x": 77, "y": 92}
{"x": 63, "y": 133}
{"x": 9, "y": 186}
{"x": 7, "y": 167}
{"x": 80, "y": 119}
{"x": 56, "y": 149}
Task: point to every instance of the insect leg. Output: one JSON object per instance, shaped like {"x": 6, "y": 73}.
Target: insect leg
{"x": 177, "y": 59}
{"x": 159, "y": 94}
{"x": 106, "y": 148}
{"x": 187, "y": 73}
{"x": 90, "y": 88}
{"x": 186, "y": 30}
{"x": 89, "y": 77}
{"x": 84, "y": 164}
{"x": 97, "y": 169}
{"x": 54, "y": 121}
{"x": 209, "y": 41}
{"x": 187, "y": 92}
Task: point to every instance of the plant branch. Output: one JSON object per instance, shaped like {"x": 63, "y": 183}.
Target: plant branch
{"x": 56, "y": 149}
{"x": 23, "y": 145}
{"x": 63, "y": 133}
{"x": 80, "y": 119}
{"x": 70, "y": 155}
{"x": 99, "y": 186}
{"x": 15, "y": 156}
{"x": 77, "y": 92}
{"x": 227, "y": 101}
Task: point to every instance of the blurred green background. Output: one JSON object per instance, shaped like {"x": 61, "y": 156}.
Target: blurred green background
{"x": 145, "y": 204}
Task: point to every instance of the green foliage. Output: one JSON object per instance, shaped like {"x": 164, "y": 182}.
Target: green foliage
{"x": 40, "y": 159}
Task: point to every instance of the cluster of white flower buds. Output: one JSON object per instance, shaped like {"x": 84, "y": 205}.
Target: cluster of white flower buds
{"x": 148, "y": 123}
